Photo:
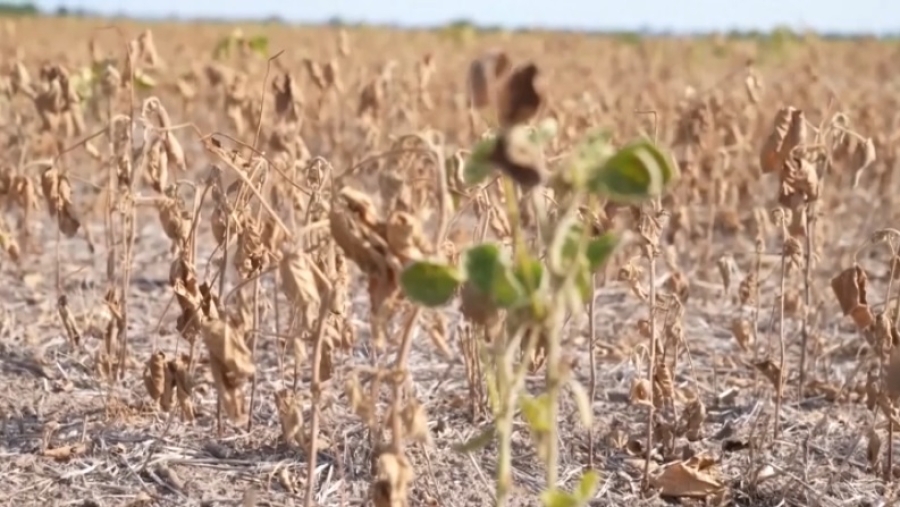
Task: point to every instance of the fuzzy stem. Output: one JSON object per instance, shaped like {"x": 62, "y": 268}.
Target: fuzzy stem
{"x": 316, "y": 391}
{"x": 398, "y": 381}
{"x": 779, "y": 389}
{"x": 554, "y": 382}
{"x": 651, "y": 371}
{"x": 592, "y": 389}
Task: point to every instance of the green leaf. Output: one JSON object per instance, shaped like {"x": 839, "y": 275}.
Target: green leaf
{"x": 478, "y": 442}
{"x": 536, "y": 411}
{"x": 259, "y": 45}
{"x": 429, "y": 283}
{"x": 480, "y": 263}
{"x": 557, "y": 498}
{"x": 599, "y": 250}
{"x": 478, "y": 166}
{"x": 588, "y": 486}
{"x": 490, "y": 273}
{"x": 636, "y": 172}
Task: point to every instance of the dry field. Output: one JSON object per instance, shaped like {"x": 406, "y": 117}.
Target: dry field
{"x": 136, "y": 370}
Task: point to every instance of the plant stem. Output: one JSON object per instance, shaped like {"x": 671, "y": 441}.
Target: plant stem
{"x": 399, "y": 380}
{"x": 779, "y": 389}
{"x": 257, "y": 324}
{"x": 592, "y": 389}
{"x": 316, "y": 391}
{"x": 651, "y": 372}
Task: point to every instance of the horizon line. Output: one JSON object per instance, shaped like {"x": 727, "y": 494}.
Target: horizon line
{"x": 339, "y": 21}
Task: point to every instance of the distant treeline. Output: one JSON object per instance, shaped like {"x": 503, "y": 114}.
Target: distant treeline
{"x": 8, "y": 9}
{"x": 18, "y": 9}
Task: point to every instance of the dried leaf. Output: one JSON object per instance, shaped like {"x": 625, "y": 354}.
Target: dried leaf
{"x": 393, "y": 475}
{"x": 641, "y": 391}
{"x": 850, "y": 289}
{"x": 772, "y": 155}
{"x": 482, "y": 75}
{"x": 65, "y": 452}
{"x": 517, "y": 99}
{"x": 743, "y": 333}
{"x": 681, "y": 480}
{"x": 231, "y": 365}
{"x": 771, "y": 371}
{"x": 291, "y": 417}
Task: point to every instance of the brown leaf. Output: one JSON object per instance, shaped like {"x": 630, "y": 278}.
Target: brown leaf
{"x": 393, "y": 475}
{"x": 640, "y": 392}
{"x": 231, "y": 365}
{"x": 743, "y": 333}
{"x": 864, "y": 157}
{"x": 64, "y": 452}
{"x": 299, "y": 283}
{"x": 892, "y": 374}
{"x": 694, "y": 415}
{"x": 180, "y": 377}
{"x": 795, "y": 136}
{"x": 415, "y": 422}
{"x": 404, "y": 236}
{"x": 771, "y": 371}
{"x": 291, "y": 417}
{"x": 771, "y": 157}
{"x": 681, "y": 480}
{"x": 483, "y": 72}
{"x": 517, "y": 99}
{"x": 156, "y": 380}
{"x": 850, "y": 289}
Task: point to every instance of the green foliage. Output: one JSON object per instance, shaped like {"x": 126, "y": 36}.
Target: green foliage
{"x": 628, "y": 38}
{"x": 478, "y": 167}
{"x": 86, "y": 79}
{"x": 430, "y": 283}
{"x": 636, "y": 172}
{"x": 462, "y": 32}
{"x": 258, "y": 44}
{"x": 599, "y": 250}
{"x": 537, "y": 287}
{"x": 579, "y": 498}
{"x": 491, "y": 272}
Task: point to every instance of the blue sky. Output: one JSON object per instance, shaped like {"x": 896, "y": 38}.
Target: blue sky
{"x": 859, "y": 16}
